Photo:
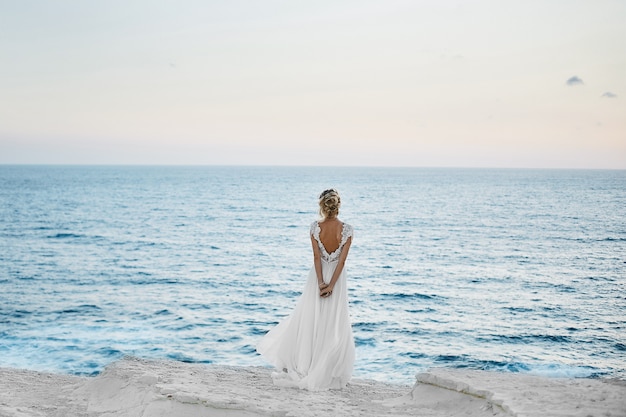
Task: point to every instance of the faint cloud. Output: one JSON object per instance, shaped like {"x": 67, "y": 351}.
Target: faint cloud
{"x": 572, "y": 81}
{"x": 608, "y": 94}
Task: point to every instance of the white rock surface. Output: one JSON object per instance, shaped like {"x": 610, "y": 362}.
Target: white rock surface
{"x": 139, "y": 388}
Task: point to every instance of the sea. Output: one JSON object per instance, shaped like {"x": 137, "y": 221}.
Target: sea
{"x": 509, "y": 270}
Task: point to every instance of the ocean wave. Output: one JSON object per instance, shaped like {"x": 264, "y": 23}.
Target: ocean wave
{"x": 552, "y": 370}
{"x": 65, "y": 236}
{"x": 364, "y": 341}
{"x": 83, "y": 309}
{"x": 612, "y": 239}
{"x": 402, "y": 296}
{"x": 368, "y": 326}
{"x": 525, "y": 339}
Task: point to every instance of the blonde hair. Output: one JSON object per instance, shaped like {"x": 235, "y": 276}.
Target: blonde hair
{"x": 329, "y": 203}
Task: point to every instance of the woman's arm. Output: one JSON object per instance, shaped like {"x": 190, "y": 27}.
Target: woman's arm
{"x": 340, "y": 264}
{"x": 317, "y": 261}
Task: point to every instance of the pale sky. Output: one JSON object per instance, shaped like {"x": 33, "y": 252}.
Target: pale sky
{"x": 534, "y": 84}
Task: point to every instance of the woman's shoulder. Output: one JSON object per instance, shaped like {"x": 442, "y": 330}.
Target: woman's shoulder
{"x": 348, "y": 230}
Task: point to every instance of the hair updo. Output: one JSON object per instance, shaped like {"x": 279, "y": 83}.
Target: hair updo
{"x": 329, "y": 203}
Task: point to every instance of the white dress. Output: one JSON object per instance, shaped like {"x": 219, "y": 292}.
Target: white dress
{"x": 313, "y": 347}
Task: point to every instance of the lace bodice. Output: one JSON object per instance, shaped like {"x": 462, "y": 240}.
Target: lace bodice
{"x": 346, "y": 232}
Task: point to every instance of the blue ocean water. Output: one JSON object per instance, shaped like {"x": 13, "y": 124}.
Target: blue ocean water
{"x": 511, "y": 270}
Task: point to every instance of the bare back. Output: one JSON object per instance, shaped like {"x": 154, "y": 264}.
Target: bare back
{"x": 330, "y": 234}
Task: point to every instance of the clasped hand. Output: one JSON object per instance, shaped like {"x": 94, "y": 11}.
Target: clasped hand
{"x": 325, "y": 290}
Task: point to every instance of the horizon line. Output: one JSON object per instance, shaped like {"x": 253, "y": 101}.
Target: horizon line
{"x": 307, "y": 166}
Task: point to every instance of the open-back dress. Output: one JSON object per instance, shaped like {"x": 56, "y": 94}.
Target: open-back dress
{"x": 313, "y": 347}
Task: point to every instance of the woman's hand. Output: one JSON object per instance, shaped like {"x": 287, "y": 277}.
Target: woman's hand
{"x": 326, "y": 291}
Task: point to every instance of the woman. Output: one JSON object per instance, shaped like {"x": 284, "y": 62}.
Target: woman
{"x": 314, "y": 346}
